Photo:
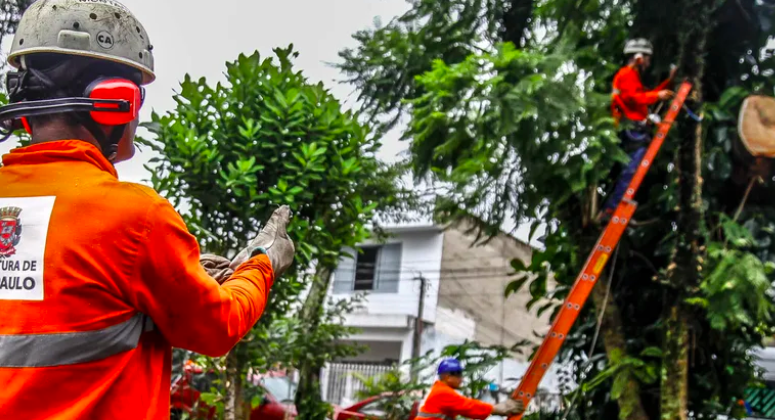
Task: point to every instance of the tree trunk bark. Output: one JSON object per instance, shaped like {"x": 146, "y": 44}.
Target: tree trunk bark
{"x": 685, "y": 270}
{"x": 675, "y": 366}
{"x": 233, "y": 404}
{"x": 308, "y": 395}
{"x": 630, "y": 406}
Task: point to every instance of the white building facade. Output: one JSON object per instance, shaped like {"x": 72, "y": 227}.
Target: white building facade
{"x": 389, "y": 275}
{"x": 464, "y": 301}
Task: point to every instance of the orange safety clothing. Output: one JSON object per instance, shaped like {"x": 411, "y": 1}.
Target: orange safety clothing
{"x": 443, "y": 402}
{"x": 630, "y": 97}
{"x": 98, "y": 280}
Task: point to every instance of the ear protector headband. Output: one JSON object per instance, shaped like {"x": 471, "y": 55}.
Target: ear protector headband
{"x": 109, "y": 101}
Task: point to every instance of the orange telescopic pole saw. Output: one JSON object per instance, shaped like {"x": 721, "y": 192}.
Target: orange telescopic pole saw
{"x": 595, "y": 263}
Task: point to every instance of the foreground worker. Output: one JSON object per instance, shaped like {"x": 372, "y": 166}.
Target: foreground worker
{"x": 630, "y": 108}
{"x": 444, "y": 402}
{"x": 100, "y": 278}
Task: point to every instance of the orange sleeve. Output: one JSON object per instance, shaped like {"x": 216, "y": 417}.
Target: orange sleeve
{"x": 452, "y": 402}
{"x": 188, "y": 306}
{"x": 631, "y": 90}
{"x": 663, "y": 85}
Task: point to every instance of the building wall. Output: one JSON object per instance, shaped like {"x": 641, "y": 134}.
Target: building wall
{"x": 473, "y": 280}
{"x": 382, "y": 352}
{"x": 398, "y": 344}
{"x": 765, "y": 359}
{"x": 455, "y": 323}
{"x": 420, "y": 254}
{"x": 464, "y": 299}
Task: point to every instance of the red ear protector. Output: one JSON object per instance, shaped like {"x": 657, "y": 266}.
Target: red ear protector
{"x": 111, "y": 102}
{"x": 117, "y": 89}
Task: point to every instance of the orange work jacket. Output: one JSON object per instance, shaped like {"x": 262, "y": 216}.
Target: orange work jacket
{"x": 445, "y": 403}
{"x": 98, "y": 280}
{"x": 630, "y": 98}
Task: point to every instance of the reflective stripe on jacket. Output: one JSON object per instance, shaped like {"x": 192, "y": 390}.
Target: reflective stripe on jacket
{"x": 422, "y": 415}
{"x": 443, "y": 402}
{"x": 98, "y": 280}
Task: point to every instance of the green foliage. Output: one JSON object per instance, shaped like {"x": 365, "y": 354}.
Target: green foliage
{"x": 266, "y": 138}
{"x": 472, "y": 131}
{"x": 516, "y": 135}
{"x": 326, "y": 343}
{"x": 621, "y": 368}
{"x": 736, "y": 291}
{"x": 431, "y": 30}
{"x": 230, "y": 153}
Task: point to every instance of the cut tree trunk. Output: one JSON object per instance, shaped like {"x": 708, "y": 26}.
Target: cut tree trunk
{"x": 630, "y": 406}
{"x": 685, "y": 269}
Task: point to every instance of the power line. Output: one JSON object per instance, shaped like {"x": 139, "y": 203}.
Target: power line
{"x": 433, "y": 260}
{"x": 405, "y": 268}
{"x": 471, "y": 273}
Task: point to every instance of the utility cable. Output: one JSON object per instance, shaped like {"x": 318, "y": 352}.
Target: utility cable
{"x": 597, "y": 333}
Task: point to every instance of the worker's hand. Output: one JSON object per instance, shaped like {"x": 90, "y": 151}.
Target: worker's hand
{"x": 510, "y": 407}
{"x": 273, "y": 240}
{"x": 665, "y": 94}
{"x": 216, "y": 266}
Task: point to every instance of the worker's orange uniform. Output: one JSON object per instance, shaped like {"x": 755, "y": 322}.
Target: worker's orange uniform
{"x": 98, "y": 280}
{"x": 445, "y": 403}
{"x": 630, "y": 98}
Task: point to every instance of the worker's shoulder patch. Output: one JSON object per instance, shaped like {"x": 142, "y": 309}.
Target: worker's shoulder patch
{"x": 24, "y": 223}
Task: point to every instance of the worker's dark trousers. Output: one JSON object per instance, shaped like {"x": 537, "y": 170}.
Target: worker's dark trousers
{"x": 636, "y": 142}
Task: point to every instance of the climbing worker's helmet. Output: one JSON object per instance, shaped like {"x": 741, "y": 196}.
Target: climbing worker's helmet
{"x": 450, "y": 366}
{"x": 638, "y": 46}
{"x": 100, "y": 29}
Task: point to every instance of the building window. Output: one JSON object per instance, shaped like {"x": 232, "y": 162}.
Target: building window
{"x": 366, "y": 268}
{"x": 374, "y": 269}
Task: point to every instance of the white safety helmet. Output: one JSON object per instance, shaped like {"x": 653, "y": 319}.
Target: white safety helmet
{"x": 638, "y": 46}
{"x": 101, "y": 29}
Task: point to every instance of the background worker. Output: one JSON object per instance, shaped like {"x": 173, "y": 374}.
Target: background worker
{"x": 100, "y": 278}
{"x": 444, "y": 402}
{"x": 630, "y": 108}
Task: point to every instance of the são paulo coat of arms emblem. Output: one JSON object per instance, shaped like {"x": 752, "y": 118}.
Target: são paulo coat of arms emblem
{"x": 10, "y": 230}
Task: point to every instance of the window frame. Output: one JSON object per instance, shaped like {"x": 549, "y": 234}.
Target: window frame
{"x": 374, "y": 271}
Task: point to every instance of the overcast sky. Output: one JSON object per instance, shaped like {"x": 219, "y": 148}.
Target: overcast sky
{"x": 197, "y": 37}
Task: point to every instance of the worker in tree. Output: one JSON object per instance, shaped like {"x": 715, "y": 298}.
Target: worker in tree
{"x": 630, "y": 108}
{"x": 444, "y": 402}
{"x": 99, "y": 279}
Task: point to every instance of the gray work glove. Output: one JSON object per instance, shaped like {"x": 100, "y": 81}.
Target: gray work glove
{"x": 217, "y": 267}
{"x": 509, "y": 407}
{"x": 273, "y": 241}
